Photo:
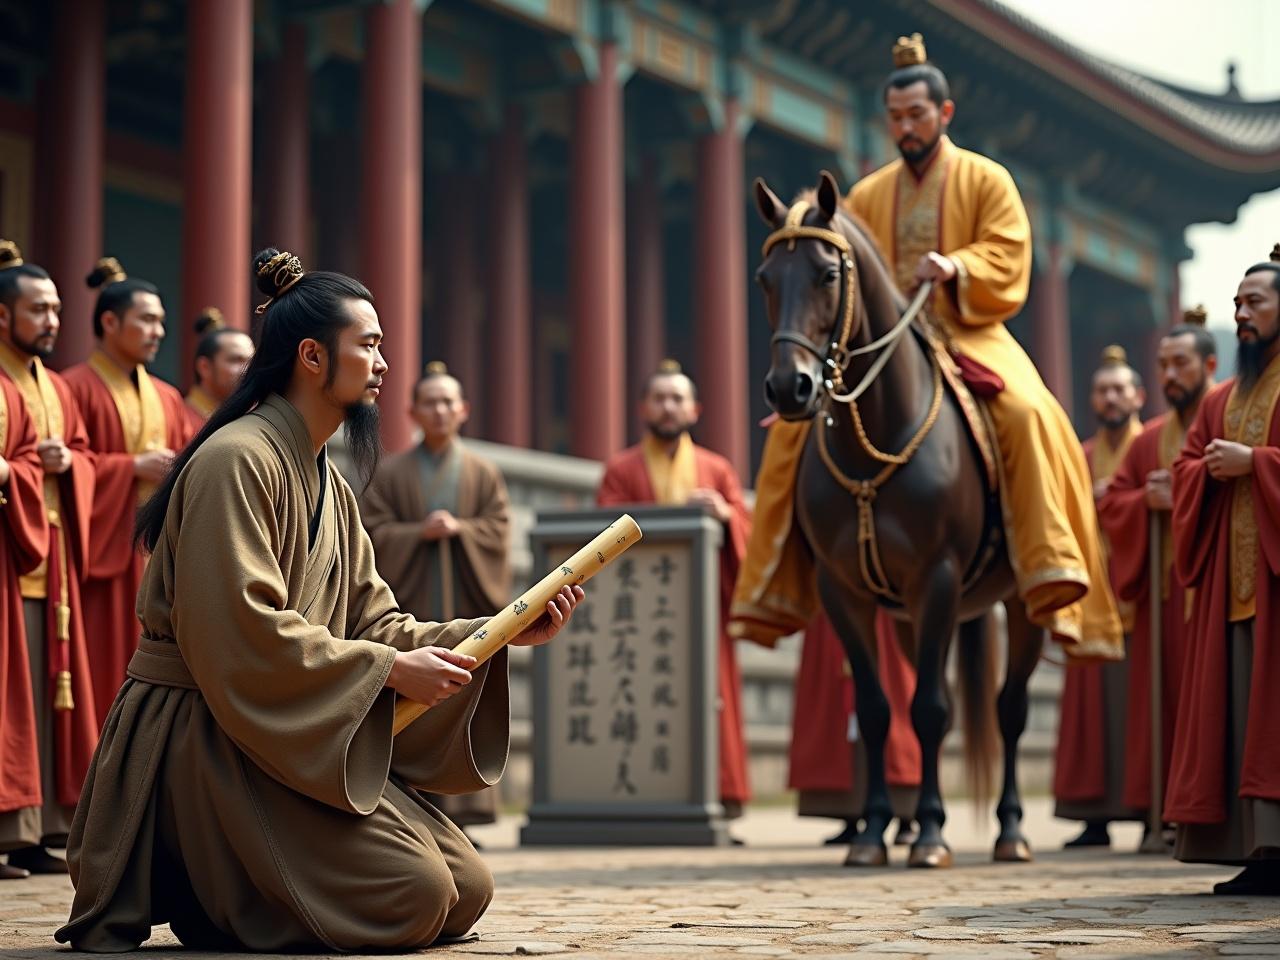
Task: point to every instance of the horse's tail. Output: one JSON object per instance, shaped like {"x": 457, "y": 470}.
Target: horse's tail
{"x": 977, "y": 663}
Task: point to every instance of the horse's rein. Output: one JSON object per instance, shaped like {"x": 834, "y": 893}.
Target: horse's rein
{"x": 837, "y": 356}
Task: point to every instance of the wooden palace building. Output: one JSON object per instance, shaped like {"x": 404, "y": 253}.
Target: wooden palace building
{"x": 552, "y": 195}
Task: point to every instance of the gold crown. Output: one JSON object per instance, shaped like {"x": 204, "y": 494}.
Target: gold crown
{"x": 909, "y": 51}
{"x": 1196, "y": 316}
{"x": 1114, "y": 356}
{"x": 1275, "y": 253}
{"x": 670, "y": 366}
{"x": 212, "y": 319}
{"x": 436, "y": 368}
{"x": 111, "y": 270}
{"x": 10, "y": 255}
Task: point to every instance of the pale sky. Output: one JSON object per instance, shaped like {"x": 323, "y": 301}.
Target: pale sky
{"x": 1189, "y": 42}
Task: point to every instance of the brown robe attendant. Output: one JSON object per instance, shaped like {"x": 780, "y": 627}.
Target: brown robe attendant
{"x": 246, "y": 790}
{"x": 464, "y": 576}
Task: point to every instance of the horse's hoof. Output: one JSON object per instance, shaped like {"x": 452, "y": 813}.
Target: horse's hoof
{"x": 867, "y": 855}
{"x": 1013, "y": 851}
{"x": 932, "y": 856}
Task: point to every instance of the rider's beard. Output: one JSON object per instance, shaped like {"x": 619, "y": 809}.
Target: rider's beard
{"x": 916, "y": 154}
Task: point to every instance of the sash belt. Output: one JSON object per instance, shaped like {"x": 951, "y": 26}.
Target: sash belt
{"x": 159, "y": 662}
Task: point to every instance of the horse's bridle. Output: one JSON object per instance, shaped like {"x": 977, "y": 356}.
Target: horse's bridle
{"x": 835, "y": 359}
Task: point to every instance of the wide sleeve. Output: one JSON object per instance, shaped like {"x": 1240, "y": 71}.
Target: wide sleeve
{"x": 1198, "y": 500}
{"x": 993, "y": 271}
{"x": 1124, "y": 516}
{"x": 460, "y": 745}
{"x": 1266, "y": 497}
{"x": 396, "y": 540}
{"x": 738, "y": 528}
{"x": 485, "y": 538}
{"x": 23, "y": 515}
{"x": 307, "y": 707}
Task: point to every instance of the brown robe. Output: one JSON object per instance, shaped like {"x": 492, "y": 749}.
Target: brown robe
{"x": 246, "y": 789}
{"x": 465, "y": 576}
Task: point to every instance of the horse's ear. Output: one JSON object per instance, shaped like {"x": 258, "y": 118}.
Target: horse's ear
{"x": 828, "y": 195}
{"x": 772, "y": 210}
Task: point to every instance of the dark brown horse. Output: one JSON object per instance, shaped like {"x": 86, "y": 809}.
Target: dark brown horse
{"x": 898, "y": 514}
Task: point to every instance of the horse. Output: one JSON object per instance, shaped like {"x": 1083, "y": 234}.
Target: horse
{"x": 924, "y": 540}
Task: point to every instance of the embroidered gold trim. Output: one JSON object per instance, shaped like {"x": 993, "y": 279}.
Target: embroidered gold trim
{"x": 1247, "y": 420}
{"x": 141, "y": 412}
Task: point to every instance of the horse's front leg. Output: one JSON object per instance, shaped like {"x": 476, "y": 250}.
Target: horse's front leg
{"x": 855, "y": 622}
{"x": 934, "y": 606}
{"x": 1026, "y": 641}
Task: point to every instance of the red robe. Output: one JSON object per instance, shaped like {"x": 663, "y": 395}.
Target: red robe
{"x": 75, "y": 731}
{"x": 1125, "y": 518}
{"x": 1201, "y": 534}
{"x": 114, "y": 567}
{"x": 626, "y": 481}
{"x": 825, "y": 700}
{"x": 1080, "y": 761}
{"x": 24, "y": 540}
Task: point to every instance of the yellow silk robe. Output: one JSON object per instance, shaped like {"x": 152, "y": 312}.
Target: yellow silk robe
{"x": 246, "y": 789}
{"x": 967, "y": 208}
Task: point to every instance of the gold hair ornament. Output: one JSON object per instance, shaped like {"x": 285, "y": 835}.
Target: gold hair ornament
{"x": 909, "y": 51}
{"x": 10, "y": 255}
{"x": 285, "y": 270}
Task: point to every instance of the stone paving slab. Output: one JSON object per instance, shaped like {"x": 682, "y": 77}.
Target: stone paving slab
{"x": 783, "y": 895}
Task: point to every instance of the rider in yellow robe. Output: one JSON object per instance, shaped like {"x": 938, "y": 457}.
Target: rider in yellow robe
{"x": 955, "y": 217}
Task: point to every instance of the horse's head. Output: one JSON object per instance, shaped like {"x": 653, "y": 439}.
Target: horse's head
{"x": 804, "y": 283}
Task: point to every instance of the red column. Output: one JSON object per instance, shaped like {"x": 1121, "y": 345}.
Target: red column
{"x": 720, "y": 293}
{"x": 1051, "y": 316}
{"x": 72, "y": 151}
{"x": 216, "y": 160}
{"x": 391, "y": 182}
{"x": 596, "y": 284}
{"x": 459, "y": 308}
{"x": 509, "y": 386}
{"x": 285, "y": 199}
{"x": 646, "y": 283}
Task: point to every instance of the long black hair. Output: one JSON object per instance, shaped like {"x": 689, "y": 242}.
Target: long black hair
{"x": 312, "y": 308}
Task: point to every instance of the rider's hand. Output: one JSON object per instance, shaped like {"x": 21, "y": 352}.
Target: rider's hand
{"x": 934, "y": 266}
{"x": 429, "y": 675}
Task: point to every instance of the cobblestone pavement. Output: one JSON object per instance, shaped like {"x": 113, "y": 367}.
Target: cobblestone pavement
{"x": 783, "y": 895}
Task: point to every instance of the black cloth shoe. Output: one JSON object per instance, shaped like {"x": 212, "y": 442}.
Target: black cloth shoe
{"x": 37, "y": 860}
{"x": 1095, "y": 834}
{"x": 1259, "y": 880}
